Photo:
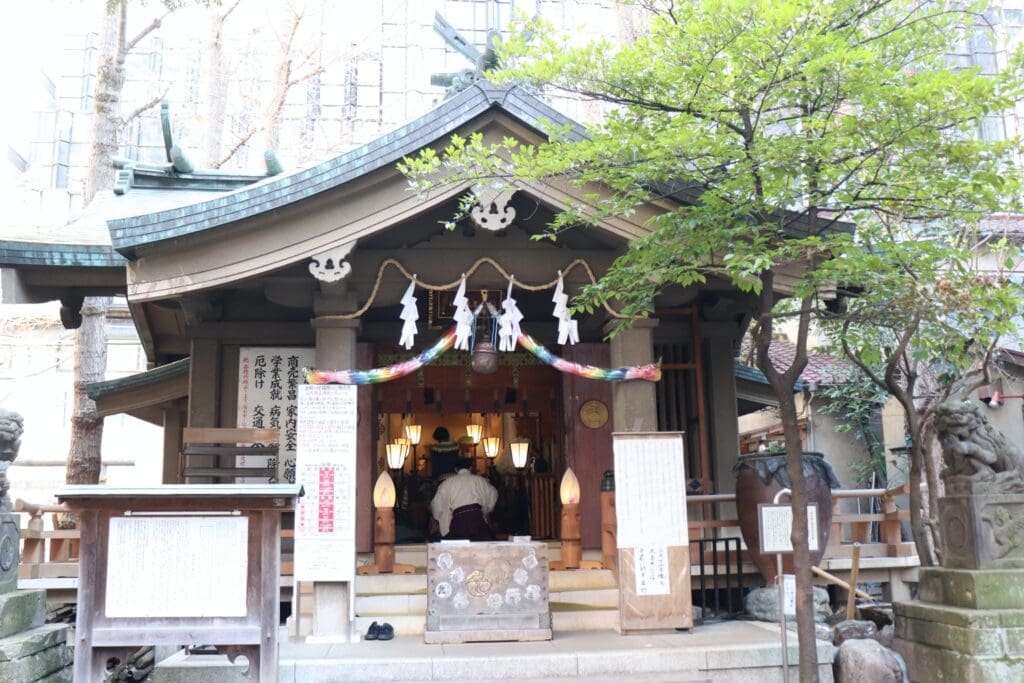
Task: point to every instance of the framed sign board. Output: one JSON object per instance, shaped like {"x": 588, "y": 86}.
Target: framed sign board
{"x": 776, "y": 527}
{"x": 652, "y": 532}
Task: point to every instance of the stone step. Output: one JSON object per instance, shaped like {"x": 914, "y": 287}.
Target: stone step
{"x": 21, "y": 611}
{"x": 564, "y": 617}
{"x": 584, "y": 619}
{"x": 416, "y": 554}
{"x": 387, "y": 605}
{"x": 412, "y": 584}
{"x": 416, "y": 604}
{"x": 39, "y": 653}
{"x": 595, "y": 598}
{"x": 182, "y": 667}
{"x": 404, "y": 624}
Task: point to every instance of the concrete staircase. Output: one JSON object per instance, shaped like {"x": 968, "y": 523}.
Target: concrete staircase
{"x": 584, "y": 600}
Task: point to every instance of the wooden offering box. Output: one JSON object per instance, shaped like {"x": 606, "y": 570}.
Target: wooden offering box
{"x": 487, "y": 592}
{"x": 179, "y": 565}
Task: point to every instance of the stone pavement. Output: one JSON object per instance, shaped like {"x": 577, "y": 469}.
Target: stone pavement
{"x": 726, "y": 651}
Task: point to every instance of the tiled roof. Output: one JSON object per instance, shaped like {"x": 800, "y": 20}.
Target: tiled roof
{"x": 97, "y": 390}
{"x": 85, "y": 239}
{"x": 128, "y": 234}
{"x": 822, "y": 369}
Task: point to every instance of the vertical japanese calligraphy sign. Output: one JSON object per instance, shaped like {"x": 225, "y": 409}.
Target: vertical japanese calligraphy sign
{"x": 325, "y": 521}
{"x": 268, "y": 390}
{"x": 652, "y": 531}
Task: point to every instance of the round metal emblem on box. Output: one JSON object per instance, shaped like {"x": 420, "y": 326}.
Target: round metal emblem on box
{"x": 594, "y": 414}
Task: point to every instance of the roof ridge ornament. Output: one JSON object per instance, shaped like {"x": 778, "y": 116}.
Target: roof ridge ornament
{"x": 178, "y": 171}
{"x": 330, "y": 265}
{"x": 488, "y": 59}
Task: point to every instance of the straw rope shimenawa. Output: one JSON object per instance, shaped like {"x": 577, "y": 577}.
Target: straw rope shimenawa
{"x": 455, "y": 283}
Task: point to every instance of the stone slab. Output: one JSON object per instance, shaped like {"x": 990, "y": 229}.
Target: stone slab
{"x": 972, "y": 588}
{"x": 960, "y": 616}
{"x": 984, "y": 642}
{"x": 182, "y": 667}
{"x": 64, "y": 675}
{"x": 32, "y": 641}
{"x": 36, "y": 666}
{"x": 927, "y": 664}
{"x": 21, "y": 610}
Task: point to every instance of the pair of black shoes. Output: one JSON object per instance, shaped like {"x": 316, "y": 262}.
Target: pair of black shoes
{"x": 380, "y": 631}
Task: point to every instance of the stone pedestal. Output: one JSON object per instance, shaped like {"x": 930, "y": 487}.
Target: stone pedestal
{"x": 30, "y": 651}
{"x": 968, "y": 621}
{"x": 8, "y": 552}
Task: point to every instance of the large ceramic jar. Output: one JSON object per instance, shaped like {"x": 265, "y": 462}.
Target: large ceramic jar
{"x": 758, "y": 478}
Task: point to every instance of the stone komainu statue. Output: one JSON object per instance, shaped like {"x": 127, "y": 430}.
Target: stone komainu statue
{"x": 974, "y": 451}
{"x": 11, "y": 427}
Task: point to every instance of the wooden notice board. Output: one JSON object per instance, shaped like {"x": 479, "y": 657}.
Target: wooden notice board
{"x": 652, "y": 533}
{"x": 177, "y": 565}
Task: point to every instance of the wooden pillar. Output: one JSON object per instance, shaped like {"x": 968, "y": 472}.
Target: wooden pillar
{"x": 203, "y": 394}
{"x": 634, "y": 404}
{"x": 172, "y": 444}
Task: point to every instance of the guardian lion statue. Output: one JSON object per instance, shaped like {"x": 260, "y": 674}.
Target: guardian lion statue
{"x": 976, "y": 454}
{"x": 11, "y": 427}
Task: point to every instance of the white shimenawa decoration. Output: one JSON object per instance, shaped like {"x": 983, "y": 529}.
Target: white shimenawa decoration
{"x": 410, "y": 314}
{"x": 463, "y": 317}
{"x": 508, "y": 322}
{"x": 568, "y": 329}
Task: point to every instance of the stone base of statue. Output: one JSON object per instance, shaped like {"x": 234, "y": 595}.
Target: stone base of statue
{"x": 9, "y": 555}
{"x": 968, "y": 621}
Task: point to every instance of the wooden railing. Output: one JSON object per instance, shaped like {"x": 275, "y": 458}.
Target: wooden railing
{"x": 847, "y": 528}
{"x": 46, "y": 554}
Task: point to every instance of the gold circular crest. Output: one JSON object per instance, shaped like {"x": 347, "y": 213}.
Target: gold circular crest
{"x": 594, "y": 414}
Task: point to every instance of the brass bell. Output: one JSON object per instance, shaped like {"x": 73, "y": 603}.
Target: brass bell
{"x": 485, "y": 358}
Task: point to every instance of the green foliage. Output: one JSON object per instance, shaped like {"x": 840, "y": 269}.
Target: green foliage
{"x": 778, "y": 119}
{"x": 855, "y": 403}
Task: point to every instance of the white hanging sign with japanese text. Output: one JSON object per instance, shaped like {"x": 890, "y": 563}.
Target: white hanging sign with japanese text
{"x": 325, "y": 521}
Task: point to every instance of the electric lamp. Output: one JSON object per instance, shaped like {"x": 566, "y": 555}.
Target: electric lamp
{"x": 384, "y": 527}
{"x": 475, "y": 432}
{"x": 492, "y": 446}
{"x": 520, "y": 451}
{"x": 572, "y": 551}
{"x": 396, "y": 453}
{"x": 569, "y": 490}
{"x": 413, "y": 432}
{"x": 384, "y": 490}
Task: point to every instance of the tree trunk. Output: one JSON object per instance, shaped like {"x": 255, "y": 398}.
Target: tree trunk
{"x": 214, "y": 86}
{"x": 782, "y": 384}
{"x": 90, "y": 366}
{"x": 107, "y": 115}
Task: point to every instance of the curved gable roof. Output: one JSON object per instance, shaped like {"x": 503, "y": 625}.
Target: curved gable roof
{"x": 129, "y": 234}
